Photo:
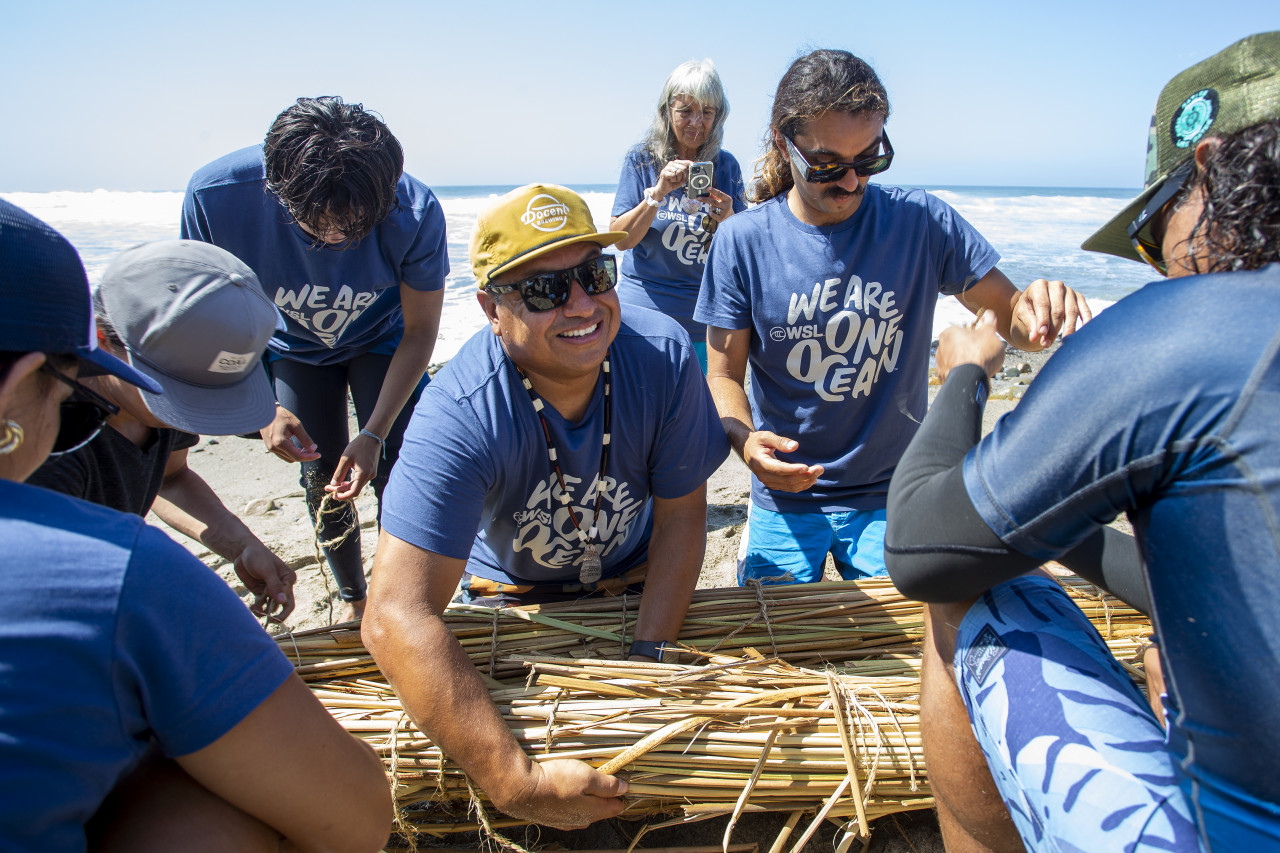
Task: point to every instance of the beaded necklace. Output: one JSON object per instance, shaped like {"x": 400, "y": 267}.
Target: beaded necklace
{"x": 590, "y": 568}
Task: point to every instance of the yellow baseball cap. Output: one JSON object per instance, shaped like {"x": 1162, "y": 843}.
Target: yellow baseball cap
{"x": 528, "y": 222}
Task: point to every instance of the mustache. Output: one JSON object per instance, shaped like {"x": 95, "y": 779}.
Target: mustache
{"x": 841, "y": 192}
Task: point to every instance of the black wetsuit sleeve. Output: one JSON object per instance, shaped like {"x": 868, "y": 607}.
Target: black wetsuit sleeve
{"x": 937, "y": 547}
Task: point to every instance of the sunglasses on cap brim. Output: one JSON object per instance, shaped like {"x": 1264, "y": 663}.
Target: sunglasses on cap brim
{"x": 825, "y": 173}
{"x": 83, "y": 414}
{"x": 549, "y": 290}
{"x": 1144, "y": 243}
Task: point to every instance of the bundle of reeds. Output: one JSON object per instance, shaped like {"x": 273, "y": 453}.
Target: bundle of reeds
{"x": 868, "y": 624}
{"x": 723, "y": 738}
{"x": 743, "y": 729}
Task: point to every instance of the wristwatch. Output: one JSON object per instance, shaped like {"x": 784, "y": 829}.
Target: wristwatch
{"x": 648, "y": 648}
{"x": 649, "y": 199}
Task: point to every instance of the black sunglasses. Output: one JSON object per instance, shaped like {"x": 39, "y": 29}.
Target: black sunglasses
{"x": 1146, "y": 245}
{"x": 825, "y": 173}
{"x": 83, "y": 414}
{"x": 548, "y": 290}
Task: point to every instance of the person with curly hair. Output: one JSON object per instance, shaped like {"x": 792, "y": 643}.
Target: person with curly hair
{"x": 1034, "y": 734}
{"x": 669, "y": 224}
{"x": 827, "y": 289}
{"x": 352, "y": 251}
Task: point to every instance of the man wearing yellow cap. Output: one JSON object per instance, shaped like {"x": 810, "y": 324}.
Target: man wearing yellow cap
{"x": 563, "y": 452}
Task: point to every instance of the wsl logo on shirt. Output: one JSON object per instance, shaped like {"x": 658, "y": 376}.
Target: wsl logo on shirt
{"x": 846, "y": 336}
{"x": 324, "y": 312}
{"x": 546, "y": 213}
{"x": 684, "y": 236}
{"x": 545, "y": 529}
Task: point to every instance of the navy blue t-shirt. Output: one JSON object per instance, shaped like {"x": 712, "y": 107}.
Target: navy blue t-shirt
{"x": 1167, "y": 407}
{"x": 842, "y": 322}
{"x": 473, "y": 480}
{"x": 112, "y": 635}
{"x": 337, "y": 303}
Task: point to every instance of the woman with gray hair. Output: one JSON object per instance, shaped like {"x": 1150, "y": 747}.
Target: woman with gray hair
{"x": 676, "y": 187}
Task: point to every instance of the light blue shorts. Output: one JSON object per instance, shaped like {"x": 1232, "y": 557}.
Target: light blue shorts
{"x": 1076, "y": 752}
{"x": 797, "y": 543}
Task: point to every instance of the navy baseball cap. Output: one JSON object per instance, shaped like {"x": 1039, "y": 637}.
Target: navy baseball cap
{"x": 44, "y": 298}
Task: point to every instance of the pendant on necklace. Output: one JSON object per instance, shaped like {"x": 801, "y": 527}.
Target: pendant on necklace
{"x": 589, "y": 570}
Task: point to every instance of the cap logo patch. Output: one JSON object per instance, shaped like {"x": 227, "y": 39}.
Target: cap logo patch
{"x": 546, "y": 213}
{"x": 231, "y": 362}
{"x": 1192, "y": 120}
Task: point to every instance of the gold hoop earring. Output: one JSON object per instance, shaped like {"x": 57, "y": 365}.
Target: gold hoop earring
{"x": 11, "y": 436}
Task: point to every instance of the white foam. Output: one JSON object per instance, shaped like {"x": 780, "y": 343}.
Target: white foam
{"x": 103, "y": 207}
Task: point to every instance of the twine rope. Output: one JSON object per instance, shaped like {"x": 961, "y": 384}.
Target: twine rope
{"x": 329, "y": 506}
{"x": 757, "y": 584}
{"x": 487, "y": 832}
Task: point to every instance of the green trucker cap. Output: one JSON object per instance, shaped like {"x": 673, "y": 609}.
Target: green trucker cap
{"x": 1231, "y": 90}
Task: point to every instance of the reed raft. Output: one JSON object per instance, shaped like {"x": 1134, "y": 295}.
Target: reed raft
{"x": 788, "y": 698}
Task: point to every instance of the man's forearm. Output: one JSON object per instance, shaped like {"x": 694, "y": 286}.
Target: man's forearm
{"x": 734, "y": 408}
{"x": 446, "y": 697}
{"x": 676, "y": 550}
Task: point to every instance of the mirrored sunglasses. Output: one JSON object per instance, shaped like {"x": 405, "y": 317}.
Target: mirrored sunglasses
{"x": 548, "y": 290}
{"x": 83, "y": 415}
{"x": 1145, "y": 243}
{"x": 825, "y": 173}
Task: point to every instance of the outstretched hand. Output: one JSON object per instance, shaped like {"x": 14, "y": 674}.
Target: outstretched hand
{"x": 1043, "y": 311}
{"x": 760, "y": 451}
{"x": 566, "y": 794}
{"x": 977, "y": 344}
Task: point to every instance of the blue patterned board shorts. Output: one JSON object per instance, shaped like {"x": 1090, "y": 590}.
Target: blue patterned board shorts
{"x": 1074, "y": 747}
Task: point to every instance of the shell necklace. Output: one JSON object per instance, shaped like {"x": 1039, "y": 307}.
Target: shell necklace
{"x": 589, "y": 565}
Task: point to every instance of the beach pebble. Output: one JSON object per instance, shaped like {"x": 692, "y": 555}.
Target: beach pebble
{"x": 1023, "y": 367}
{"x": 260, "y": 506}
{"x": 1011, "y": 372}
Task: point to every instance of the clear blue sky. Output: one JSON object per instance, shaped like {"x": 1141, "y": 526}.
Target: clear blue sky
{"x": 135, "y": 95}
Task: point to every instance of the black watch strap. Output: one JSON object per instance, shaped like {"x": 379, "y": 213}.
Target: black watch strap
{"x": 648, "y": 648}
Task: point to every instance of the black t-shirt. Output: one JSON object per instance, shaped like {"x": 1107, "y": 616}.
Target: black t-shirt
{"x": 112, "y": 471}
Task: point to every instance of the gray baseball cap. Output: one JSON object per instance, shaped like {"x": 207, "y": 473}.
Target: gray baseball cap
{"x": 193, "y": 318}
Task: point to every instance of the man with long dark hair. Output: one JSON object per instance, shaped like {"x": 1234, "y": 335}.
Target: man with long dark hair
{"x": 352, "y": 251}
{"x": 1033, "y": 733}
{"x": 828, "y": 289}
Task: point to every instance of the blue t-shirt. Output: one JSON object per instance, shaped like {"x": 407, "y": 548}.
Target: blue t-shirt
{"x": 664, "y": 270}
{"x": 1188, "y": 447}
{"x": 842, "y": 322}
{"x": 112, "y": 635}
{"x": 337, "y": 303}
{"x": 474, "y": 481}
